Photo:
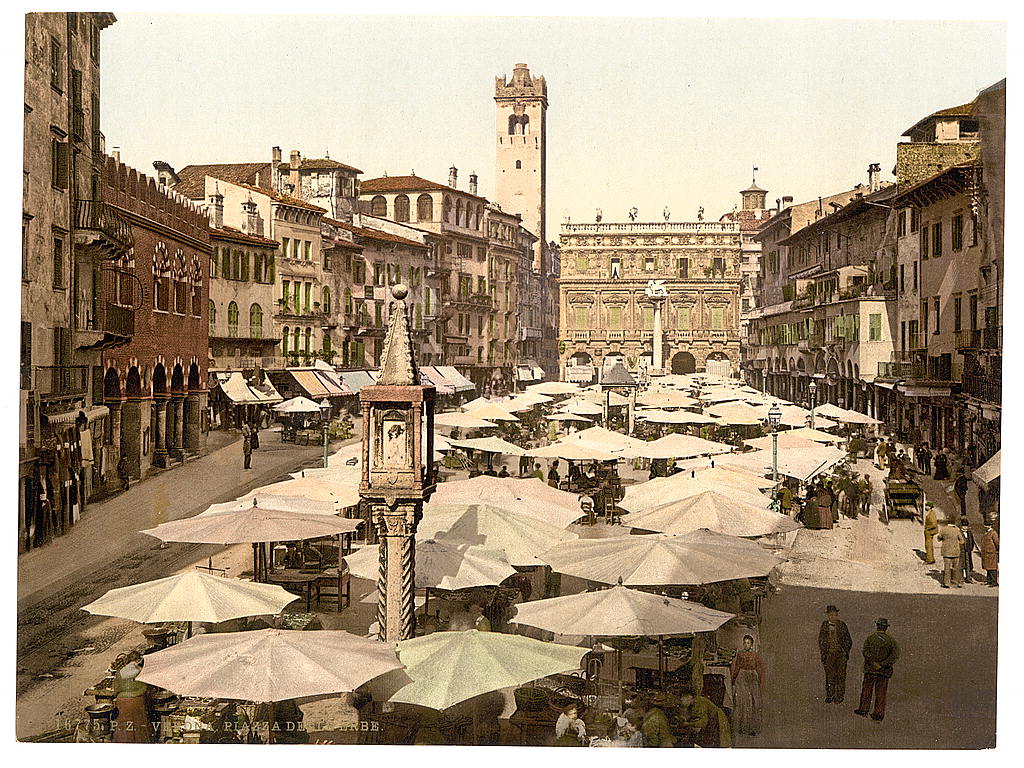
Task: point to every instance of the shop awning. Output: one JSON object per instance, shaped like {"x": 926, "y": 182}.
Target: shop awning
{"x": 356, "y": 380}
{"x": 317, "y": 385}
{"x": 241, "y": 392}
{"x": 460, "y": 382}
{"x": 432, "y": 376}
{"x": 990, "y": 470}
{"x": 69, "y": 417}
{"x": 579, "y": 374}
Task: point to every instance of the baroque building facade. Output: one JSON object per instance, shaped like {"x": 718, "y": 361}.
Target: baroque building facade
{"x": 606, "y": 313}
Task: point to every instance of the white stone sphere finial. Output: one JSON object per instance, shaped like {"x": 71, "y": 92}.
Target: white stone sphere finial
{"x": 399, "y": 291}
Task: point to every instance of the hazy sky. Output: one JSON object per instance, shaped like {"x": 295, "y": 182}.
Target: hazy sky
{"x": 645, "y": 112}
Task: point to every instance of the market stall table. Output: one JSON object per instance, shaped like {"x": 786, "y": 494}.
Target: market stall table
{"x": 295, "y": 577}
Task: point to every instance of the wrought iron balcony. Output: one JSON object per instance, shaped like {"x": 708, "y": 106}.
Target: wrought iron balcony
{"x": 895, "y": 370}
{"x": 99, "y": 225}
{"x": 987, "y": 388}
{"x": 980, "y": 338}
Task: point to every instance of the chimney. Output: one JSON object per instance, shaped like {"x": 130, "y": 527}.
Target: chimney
{"x": 215, "y": 209}
{"x": 165, "y": 173}
{"x": 453, "y": 177}
{"x": 874, "y": 170}
{"x": 275, "y": 163}
{"x": 294, "y": 160}
{"x": 472, "y": 183}
{"x": 787, "y": 202}
{"x": 116, "y": 154}
{"x": 251, "y": 218}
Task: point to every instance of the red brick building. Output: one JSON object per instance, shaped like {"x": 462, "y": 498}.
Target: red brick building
{"x": 155, "y": 386}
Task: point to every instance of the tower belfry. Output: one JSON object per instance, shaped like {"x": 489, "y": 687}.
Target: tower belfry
{"x": 520, "y": 172}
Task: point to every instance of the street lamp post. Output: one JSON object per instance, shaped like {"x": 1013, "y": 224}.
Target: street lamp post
{"x": 325, "y": 413}
{"x": 774, "y": 417}
{"x": 813, "y": 389}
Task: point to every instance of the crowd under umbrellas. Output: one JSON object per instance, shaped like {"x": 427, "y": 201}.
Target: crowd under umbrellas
{"x": 501, "y": 556}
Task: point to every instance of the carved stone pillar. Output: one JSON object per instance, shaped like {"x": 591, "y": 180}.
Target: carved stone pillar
{"x": 178, "y": 450}
{"x": 396, "y": 528}
{"x": 115, "y": 440}
{"x": 659, "y": 338}
{"x": 194, "y": 405}
{"x": 632, "y": 409}
{"x": 160, "y": 455}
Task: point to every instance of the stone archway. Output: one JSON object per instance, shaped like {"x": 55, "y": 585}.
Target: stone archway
{"x": 683, "y": 362}
{"x": 718, "y": 364}
{"x": 131, "y": 422}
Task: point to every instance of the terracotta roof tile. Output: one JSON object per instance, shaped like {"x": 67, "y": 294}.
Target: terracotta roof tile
{"x": 230, "y": 233}
{"x": 193, "y": 177}
{"x": 964, "y": 110}
{"x": 323, "y": 163}
{"x": 374, "y": 234}
{"x": 286, "y": 199}
{"x": 407, "y": 184}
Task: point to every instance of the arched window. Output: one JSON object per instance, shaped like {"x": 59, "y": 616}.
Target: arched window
{"x": 519, "y": 164}
{"x": 446, "y": 209}
{"x": 513, "y": 124}
{"x": 256, "y": 321}
{"x": 213, "y": 317}
{"x": 325, "y": 303}
{"x": 524, "y": 121}
{"x": 309, "y": 335}
{"x": 379, "y": 206}
{"x": 284, "y": 341}
{"x": 425, "y": 208}
{"x": 458, "y": 214}
{"x": 401, "y": 208}
{"x": 297, "y": 339}
{"x": 232, "y": 320}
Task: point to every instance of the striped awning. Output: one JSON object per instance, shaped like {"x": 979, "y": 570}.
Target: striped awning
{"x": 70, "y": 417}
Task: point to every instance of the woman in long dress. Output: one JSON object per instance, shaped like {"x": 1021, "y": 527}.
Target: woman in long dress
{"x": 747, "y": 688}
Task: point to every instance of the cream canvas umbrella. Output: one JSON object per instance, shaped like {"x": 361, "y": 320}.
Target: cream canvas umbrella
{"x": 738, "y": 414}
{"x": 643, "y": 497}
{"x": 530, "y": 496}
{"x": 448, "y": 667}
{"x": 463, "y": 420}
{"x": 321, "y": 487}
{"x": 700, "y": 557}
{"x": 572, "y": 452}
{"x": 553, "y": 388}
{"x": 447, "y": 565}
{"x": 595, "y": 395}
{"x": 658, "y": 416}
{"x": 282, "y": 502}
{"x": 268, "y": 665}
{"x": 192, "y": 596}
{"x": 787, "y": 439}
{"x": 620, "y": 612}
{"x": 522, "y": 537}
{"x": 297, "y": 405}
{"x": 802, "y": 463}
{"x": 571, "y": 417}
{"x": 493, "y": 412}
{"x": 607, "y": 440}
{"x": 682, "y": 447}
{"x": 252, "y": 525}
{"x": 844, "y": 415}
{"x": 731, "y": 476}
{"x": 990, "y": 470}
{"x": 665, "y": 399}
{"x": 530, "y": 399}
{"x": 489, "y": 445}
{"x": 581, "y": 407}
{"x": 714, "y": 511}
{"x": 475, "y": 403}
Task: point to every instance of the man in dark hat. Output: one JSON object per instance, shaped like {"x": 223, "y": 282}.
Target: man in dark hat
{"x": 880, "y": 653}
{"x": 835, "y": 643}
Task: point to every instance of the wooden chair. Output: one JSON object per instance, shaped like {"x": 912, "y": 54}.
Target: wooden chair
{"x": 338, "y": 585}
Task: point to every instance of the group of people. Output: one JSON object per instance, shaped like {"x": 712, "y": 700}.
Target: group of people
{"x": 845, "y": 492}
{"x": 880, "y": 652}
{"x": 957, "y": 547}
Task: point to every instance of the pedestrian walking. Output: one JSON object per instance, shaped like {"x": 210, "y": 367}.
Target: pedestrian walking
{"x": 247, "y": 453}
{"x": 931, "y": 528}
{"x": 866, "y": 489}
{"x": 926, "y": 460}
{"x": 254, "y": 436}
{"x": 835, "y": 643}
{"x": 941, "y": 466}
{"x": 990, "y": 555}
{"x": 826, "y": 501}
{"x": 880, "y": 654}
{"x": 952, "y": 545}
{"x": 747, "y": 688}
{"x": 967, "y": 555}
{"x": 960, "y": 489}
{"x": 853, "y": 502}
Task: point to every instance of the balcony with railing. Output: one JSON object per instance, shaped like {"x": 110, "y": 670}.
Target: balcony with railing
{"x": 53, "y": 382}
{"x": 100, "y": 226}
{"x": 987, "y": 388}
{"x": 979, "y": 338}
{"x": 898, "y": 370}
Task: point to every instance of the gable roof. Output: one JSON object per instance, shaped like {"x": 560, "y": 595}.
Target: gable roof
{"x": 373, "y": 234}
{"x": 408, "y": 184}
{"x": 192, "y": 178}
{"x": 964, "y": 110}
{"x": 319, "y": 164}
{"x": 230, "y": 233}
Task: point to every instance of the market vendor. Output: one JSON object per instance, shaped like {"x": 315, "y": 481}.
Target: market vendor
{"x": 569, "y": 728}
{"x": 655, "y": 726}
{"x": 704, "y": 722}
{"x": 132, "y": 724}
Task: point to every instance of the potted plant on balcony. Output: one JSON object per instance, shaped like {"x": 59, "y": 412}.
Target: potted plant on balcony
{"x": 293, "y": 359}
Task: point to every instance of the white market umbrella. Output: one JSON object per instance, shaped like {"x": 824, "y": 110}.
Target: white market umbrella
{"x": 665, "y": 399}
{"x": 475, "y": 403}
{"x": 714, "y": 511}
{"x": 192, "y": 596}
{"x": 553, "y": 388}
{"x": 608, "y": 440}
{"x": 448, "y": 667}
{"x": 282, "y": 502}
{"x": 990, "y": 470}
{"x": 446, "y": 565}
{"x": 595, "y": 395}
{"x": 571, "y": 417}
{"x": 658, "y": 416}
{"x": 572, "y": 452}
{"x": 529, "y": 496}
{"x": 462, "y": 420}
{"x": 699, "y": 557}
{"x": 252, "y": 525}
{"x": 844, "y": 415}
{"x": 489, "y": 445}
{"x": 522, "y": 537}
{"x": 268, "y": 665}
{"x": 666, "y": 490}
{"x": 802, "y": 463}
{"x": 298, "y": 405}
{"x": 530, "y": 399}
{"x": 581, "y": 407}
{"x": 493, "y": 412}
{"x": 683, "y": 447}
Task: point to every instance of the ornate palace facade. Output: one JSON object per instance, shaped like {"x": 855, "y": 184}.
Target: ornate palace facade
{"x": 605, "y": 310}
